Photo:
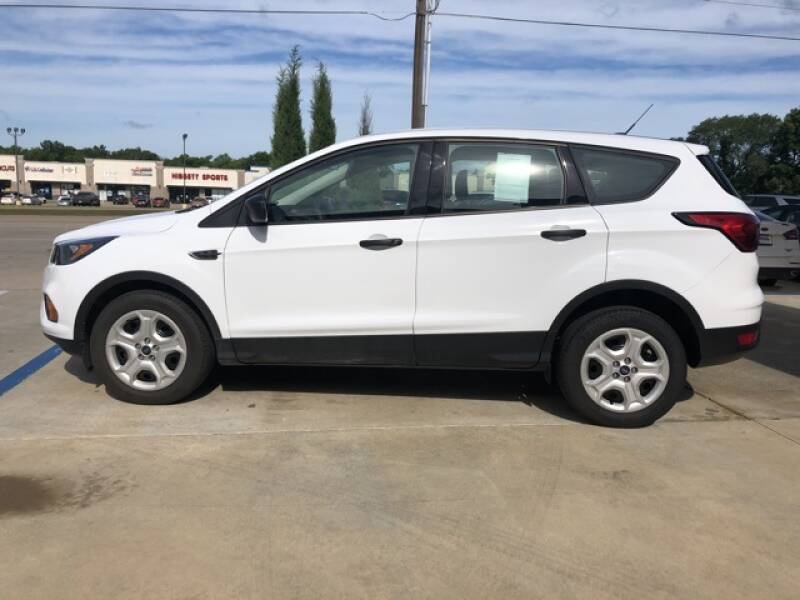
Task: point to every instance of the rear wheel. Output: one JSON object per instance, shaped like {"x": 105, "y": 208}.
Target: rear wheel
{"x": 149, "y": 347}
{"x": 621, "y": 367}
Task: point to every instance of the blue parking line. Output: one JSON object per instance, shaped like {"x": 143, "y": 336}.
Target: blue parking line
{"x": 29, "y": 368}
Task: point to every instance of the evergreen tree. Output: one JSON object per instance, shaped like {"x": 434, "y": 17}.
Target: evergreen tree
{"x": 365, "y": 118}
{"x": 288, "y": 139}
{"x": 323, "y": 127}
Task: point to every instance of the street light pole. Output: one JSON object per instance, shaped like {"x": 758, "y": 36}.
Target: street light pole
{"x": 16, "y": 132}
{"x": 185, "y": 135}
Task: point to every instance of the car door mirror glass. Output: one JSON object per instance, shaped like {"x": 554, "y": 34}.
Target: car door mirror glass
{"x": 256, "y": 207}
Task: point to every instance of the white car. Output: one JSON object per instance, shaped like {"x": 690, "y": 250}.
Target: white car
{"x": 762, "y": 201}
{"x": 33, "y": 200}
{"x": 64, "y": 200}
{"x": 8, "y": 199}
{"x": 607, "y": 262}
{"x": 778, "y": 250}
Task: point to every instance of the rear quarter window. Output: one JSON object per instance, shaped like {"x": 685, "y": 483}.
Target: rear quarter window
{"x": 621, "y": 176}
{"x": 719, "y": 176}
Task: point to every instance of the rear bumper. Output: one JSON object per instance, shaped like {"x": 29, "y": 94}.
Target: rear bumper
{"x": 726, "y": 344}
{"x": 778, "y": 272}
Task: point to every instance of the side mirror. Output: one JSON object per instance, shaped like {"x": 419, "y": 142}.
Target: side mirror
{"x": 256, "y": 207}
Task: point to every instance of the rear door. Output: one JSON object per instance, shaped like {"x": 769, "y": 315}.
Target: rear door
{"x": 509, "y": 240}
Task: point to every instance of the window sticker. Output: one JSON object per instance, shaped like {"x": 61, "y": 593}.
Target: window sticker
{"x": 512, "y": 177}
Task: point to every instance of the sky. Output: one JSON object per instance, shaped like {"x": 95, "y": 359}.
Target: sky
{"x": 141, "y": 79}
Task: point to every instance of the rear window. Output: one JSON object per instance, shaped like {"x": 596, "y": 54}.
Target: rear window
{"x": 720, "y": 177}
{"x": 764, "y": 201}
{"x": 618, "y": 176}
{"x": 793, "y": 201}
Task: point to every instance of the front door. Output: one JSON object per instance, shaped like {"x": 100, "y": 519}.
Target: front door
{"x": 512, "y": 243}
{"x": 331, "y": 278}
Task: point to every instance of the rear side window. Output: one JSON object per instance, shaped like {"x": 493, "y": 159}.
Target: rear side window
{"x": 614, "y": 176}
{"x": 496, "y": 176}
{"x": 717, "y": 173}
{"x": 793, "y": 201}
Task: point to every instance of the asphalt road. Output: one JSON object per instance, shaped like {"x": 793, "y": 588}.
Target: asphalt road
{"x": 361, "y": 483}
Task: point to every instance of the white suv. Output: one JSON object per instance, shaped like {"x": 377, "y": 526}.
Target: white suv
{"x": 608, "y": 262}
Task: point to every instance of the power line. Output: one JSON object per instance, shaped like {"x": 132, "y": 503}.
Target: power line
{"x": 246, "y": 11}
{"x": 235, "y": 11}
{"x": 761, "y": 36}
{"x": 756, "y": 5}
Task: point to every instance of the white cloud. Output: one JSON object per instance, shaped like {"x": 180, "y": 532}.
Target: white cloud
{"x": 213, "y": 76}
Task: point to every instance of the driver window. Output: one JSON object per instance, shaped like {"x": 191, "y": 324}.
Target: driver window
{"x": 369, "y": 183}
{"x": 494, "y": 177}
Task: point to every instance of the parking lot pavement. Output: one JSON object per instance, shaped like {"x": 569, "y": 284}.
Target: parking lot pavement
{"x": 312, "y": 483}
{"x": 25, "y": 242}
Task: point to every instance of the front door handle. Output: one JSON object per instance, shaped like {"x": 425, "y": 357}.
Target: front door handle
{"x": 380, "y": 243}
{"x": 563, "y": 235}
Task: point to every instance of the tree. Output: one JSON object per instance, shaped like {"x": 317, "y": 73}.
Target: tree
{"x": 288, "y": 139}
{"x": 323, "y": 127}
{"x": 365, "y": 117}
{"x": 784, "y": 172}
{"x": 742, "y": 146}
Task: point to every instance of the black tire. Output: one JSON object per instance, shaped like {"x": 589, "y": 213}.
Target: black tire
{"x": 200, "y": 352}
{"x": 768, "y": 282}
{"x": 584, "y": 330}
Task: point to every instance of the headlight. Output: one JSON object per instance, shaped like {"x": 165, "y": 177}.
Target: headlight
{"x": 66, "y": 253}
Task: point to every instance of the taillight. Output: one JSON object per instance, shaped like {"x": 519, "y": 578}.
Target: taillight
{"x": 739, "y": 228}
{"x": 791, "y": 234}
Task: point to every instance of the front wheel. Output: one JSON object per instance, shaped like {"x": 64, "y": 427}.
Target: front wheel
{"x": 621, "y": 366}
{"x": 149, "y": 347}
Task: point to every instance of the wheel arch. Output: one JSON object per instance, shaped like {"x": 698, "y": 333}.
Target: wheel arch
{"x": 131, "y": 281}
{"x": 656, "y": 298}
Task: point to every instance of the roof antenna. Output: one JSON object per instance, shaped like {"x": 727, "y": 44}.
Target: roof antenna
{"x": 636, "y": 122}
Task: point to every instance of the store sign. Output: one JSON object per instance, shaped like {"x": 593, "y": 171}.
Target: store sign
{"x": 29, "y": 169}
{"x": 200, "y": 176}
{"x": 122, "y": 172}
{"x": 7, "y": 168}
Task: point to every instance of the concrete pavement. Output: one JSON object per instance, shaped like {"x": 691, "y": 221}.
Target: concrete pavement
{"x": 308, "y": 483}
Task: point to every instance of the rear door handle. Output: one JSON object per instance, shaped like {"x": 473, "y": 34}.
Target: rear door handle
{"x": 563, "y": 235}
{"x": 380, "y": 243}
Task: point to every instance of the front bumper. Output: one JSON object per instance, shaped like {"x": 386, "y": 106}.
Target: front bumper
{"x": 68, "y": 346}
{"x": 726, "y": 344}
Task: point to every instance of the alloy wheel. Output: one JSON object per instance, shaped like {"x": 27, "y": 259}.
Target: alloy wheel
{"x": 625, "y": 370}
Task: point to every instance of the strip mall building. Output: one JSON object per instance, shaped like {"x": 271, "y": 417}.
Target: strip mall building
{"x": 108, "y": 178}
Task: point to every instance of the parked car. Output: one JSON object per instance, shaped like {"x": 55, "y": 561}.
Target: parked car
{"x": 198, "y": 201}
{"x": 119, "y": 199}
{"x": 64, "y": 200}
{"x": 789, "y": 213}
{"x": 140, "y": 201}
{"x": 778, "y": 250}
{"x": 33, "y": 200}
{"x": 85, "y": 199}
{"x": 762, "y": 201}
{"x": 607, "y": 262}
{"x": 7, "y": 199}
{"x": 161, "y": 202}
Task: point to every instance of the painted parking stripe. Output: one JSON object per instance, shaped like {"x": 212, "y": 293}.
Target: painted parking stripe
{"x": 29, "y": 368}
{"x": 2, "y": 292}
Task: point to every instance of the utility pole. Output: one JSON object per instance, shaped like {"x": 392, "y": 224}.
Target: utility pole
{"x": 16, "y": 132}
{"x": 183, "y": 200}
{"x": 421, "y": 33}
